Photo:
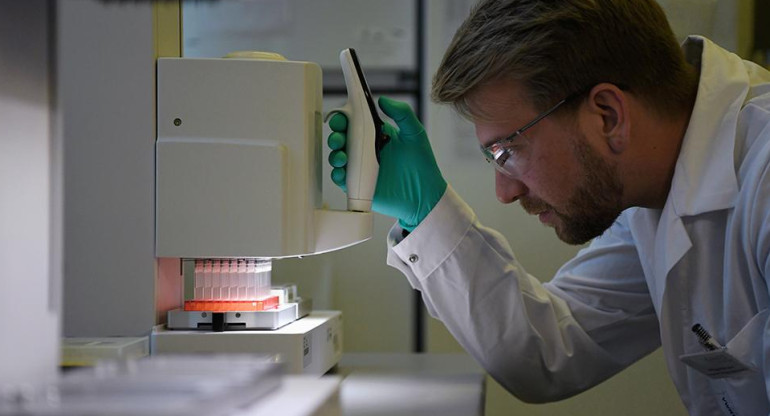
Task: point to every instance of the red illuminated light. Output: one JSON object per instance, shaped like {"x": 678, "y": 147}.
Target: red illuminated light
{"x": 264, "y": 304}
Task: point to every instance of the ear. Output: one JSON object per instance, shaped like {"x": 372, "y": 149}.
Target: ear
{"x": 611, "y": 105}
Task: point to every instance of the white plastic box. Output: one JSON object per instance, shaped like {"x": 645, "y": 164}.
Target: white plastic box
{"x": 88, "y": 351}
{"x": 311, "y": 345}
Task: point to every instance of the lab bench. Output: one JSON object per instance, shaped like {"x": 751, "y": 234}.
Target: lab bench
{"x": 372, "y": 384}
{"x": 411, "y": 384}
{"x": 360, "y": 384}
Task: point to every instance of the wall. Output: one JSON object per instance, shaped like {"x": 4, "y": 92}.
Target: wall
{"x": 30, "y": 185}
{"x": 729, "y": 23}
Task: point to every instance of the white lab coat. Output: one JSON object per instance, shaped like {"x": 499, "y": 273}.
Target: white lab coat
{"x": 704, "y": 258}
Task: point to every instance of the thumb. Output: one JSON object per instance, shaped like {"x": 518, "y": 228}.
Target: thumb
{"x": 402, "y": 114}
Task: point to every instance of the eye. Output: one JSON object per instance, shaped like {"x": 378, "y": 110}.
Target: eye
{"x": 518, "y": 146}
{"x": 502, "y": 156}
{"x": 514, "y": 146}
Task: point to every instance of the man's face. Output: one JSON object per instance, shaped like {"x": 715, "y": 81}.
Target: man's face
{"x": 559, "y": 176}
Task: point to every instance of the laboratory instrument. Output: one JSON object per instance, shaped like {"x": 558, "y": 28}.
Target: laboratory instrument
{"x": 238, "y": 175}
{"x": 365, "y": 135}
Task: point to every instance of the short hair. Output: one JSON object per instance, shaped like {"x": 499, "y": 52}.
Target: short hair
{"x": 559, "y": 47}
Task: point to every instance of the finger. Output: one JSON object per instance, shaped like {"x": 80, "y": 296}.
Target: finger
{"x": 338, "y": 158}
{"x": 338, "y": 177}
{"x": 336, "y": 140}
{"x": 402, "y": 114}
{"x": 389, "y": 131}
{"x": 338, "y": 122}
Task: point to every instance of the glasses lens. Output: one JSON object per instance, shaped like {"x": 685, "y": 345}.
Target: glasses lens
{"x": 507, "y": 166}
{"x": 488, "y": 156}
{"x": 502, "y": 158}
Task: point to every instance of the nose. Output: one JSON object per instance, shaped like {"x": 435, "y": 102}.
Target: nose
{"x": 508, "y": 189}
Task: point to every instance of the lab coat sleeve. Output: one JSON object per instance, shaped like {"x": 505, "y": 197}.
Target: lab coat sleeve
{"x": 760, "y": 221}
{"x": 541, "y": 342}
{"x": 763, "y": 258}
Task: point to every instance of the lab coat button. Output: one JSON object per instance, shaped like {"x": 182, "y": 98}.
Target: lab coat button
{"x": 413, "y": 258}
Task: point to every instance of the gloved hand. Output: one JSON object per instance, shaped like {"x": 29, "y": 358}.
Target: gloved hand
{"x": 409, "y": 183}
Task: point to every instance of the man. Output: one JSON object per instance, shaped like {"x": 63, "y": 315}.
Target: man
{"x": 597, "y": 122}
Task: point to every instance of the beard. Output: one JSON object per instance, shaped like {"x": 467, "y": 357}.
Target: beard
{"x": 595, "y": 204}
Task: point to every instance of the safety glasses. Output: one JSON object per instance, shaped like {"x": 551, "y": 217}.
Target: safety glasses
{"x": 502, "y": 154}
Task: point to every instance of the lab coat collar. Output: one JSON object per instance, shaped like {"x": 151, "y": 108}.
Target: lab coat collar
{"x": 705, "y": 177}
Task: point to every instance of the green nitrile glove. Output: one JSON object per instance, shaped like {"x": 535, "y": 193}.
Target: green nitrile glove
{"x": 409, "y": 183}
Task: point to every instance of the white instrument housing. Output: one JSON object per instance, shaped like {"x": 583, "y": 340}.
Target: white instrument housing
{"x": 239, "y": 162}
